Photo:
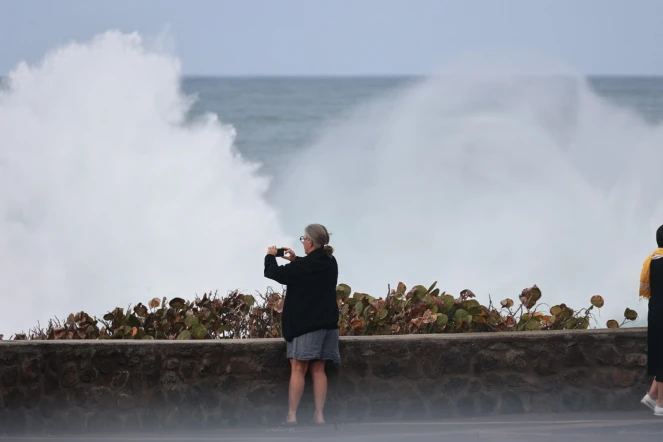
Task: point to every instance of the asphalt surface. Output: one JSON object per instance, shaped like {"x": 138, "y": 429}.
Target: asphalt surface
{"x": 604, "y": 427}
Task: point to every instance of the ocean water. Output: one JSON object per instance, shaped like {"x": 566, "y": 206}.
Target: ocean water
{"x": 276, "y": 117}
{"x": 121, "y": 180}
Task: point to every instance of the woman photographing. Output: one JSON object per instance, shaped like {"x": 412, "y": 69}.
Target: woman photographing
{"x": 310, "y": 315}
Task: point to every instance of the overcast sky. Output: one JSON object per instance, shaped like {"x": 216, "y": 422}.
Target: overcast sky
{"x": 221, "y": 37}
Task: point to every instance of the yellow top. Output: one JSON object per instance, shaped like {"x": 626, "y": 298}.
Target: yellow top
{"x": 645, "y": 288}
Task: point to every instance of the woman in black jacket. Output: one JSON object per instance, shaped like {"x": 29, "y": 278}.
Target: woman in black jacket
{"x": 310, "y": 315}
{"x": 651, "y": 287}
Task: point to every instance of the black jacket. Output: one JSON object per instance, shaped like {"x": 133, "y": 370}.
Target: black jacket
{"x": 655, "y": 321}
{"x": 656, "y": 280}
{"x": 310, "y": 302}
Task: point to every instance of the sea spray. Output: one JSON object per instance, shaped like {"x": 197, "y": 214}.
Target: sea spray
{"x": 109, "y": 196}
{"x": 487, "y": 179}
{"x": 478, "y": 179}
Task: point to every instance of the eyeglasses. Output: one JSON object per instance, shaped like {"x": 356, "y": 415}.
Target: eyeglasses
{"x": 302, "y": 238}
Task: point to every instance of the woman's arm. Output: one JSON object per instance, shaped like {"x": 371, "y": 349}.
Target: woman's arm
{"x": 285, "y": 274}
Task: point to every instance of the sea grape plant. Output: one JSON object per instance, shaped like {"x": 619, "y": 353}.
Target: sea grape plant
{"x": 420, "y": 310}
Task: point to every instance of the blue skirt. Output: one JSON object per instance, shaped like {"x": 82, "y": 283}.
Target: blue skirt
{"x": 320, "y": 345}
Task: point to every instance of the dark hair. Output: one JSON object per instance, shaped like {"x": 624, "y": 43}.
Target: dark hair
{"x": 320, "y": 237}
{"x": 659, "y": 236}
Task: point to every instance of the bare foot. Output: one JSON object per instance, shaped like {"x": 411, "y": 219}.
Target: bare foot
{"x": 291, "y": 419}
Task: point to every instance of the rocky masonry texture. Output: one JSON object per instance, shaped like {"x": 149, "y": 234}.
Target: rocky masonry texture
{"x": 78, "y": 386}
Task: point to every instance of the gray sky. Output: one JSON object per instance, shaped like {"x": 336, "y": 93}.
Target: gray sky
{"x": 235, "y": 37}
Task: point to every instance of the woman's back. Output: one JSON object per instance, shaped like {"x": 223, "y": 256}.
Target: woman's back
{"x": 656, "y": 278}
{"x": 310, "y": 302}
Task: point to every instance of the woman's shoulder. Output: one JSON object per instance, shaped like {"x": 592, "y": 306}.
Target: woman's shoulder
{"x": 316, "y": 262}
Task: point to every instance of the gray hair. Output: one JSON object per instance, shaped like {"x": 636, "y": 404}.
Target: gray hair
{"x": 320, "y": 237}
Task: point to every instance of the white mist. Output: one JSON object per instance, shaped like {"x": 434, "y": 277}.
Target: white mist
{"x": 107, "y": 196}
{"x": 492, "y": 180}
{"x": 489, "y": 182}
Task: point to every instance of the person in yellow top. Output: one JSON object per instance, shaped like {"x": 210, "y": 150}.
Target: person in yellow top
{"x": 651, "y": 288}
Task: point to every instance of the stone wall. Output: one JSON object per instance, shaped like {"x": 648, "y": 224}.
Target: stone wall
{"x": 77, "y": 386}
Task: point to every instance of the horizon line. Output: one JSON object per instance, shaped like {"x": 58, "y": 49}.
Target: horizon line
{"x": 383, "y": 75}
{"x": 394, "y": 75}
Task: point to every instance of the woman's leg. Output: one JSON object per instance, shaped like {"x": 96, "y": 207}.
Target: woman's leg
{"x": 319, "y": 390}
{"x": 297, "y": 379}
{"x": 659, "y": 397}
{"x": 653, "y": 390}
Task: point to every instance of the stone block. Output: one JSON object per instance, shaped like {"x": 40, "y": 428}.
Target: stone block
{"x": 545, "y": 363}
{"x": 621, "y": 377}
{"x": 125, "y": 401}
{"x": 120, "y": 379}
{"x": 172, "y": 364}
{"x": 574, "y": 356}
{"x": 455, "y": 362}
{"x": 511, "y": 402}
{"x": 487, "y": 403}
{"x": 32, "y": 394}
{"x": 10, "y": 376}
{"x": 102, "y": 397}
{"x": 31, "y": 368}
{"x": 454, "y": 386}
{"x": 485, "y": 361}
{"x": 9, "y": 357}
{"x": 515, "y": 359}
{"x": 13, "y": 398}
{"x": 636, "y": 359}
{"x": 607, "y": 355}
{"x": 187, "y": 369}
{"x": 88, "y": 374}
{"x": 69, "y": 376}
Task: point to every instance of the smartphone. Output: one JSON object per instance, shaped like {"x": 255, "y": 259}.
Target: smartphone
{"x": 280, "y": 252}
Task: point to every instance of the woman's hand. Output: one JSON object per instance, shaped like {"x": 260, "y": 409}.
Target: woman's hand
{"x": 272, "y": 250}
{"x": 289, "y": 254}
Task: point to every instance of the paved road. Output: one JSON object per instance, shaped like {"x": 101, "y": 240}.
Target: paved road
{"x": 603, "y": 427}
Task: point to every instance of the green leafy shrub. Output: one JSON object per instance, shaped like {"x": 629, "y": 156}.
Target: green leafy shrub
{"x": 237, "y": 315}
{"x": 426, "y": 310}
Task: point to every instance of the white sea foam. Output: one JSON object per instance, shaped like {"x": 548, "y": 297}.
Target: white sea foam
{"x": 109, "y": 197}
{"x": 491, "y": 178}
{"x": 477, "y": 178}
